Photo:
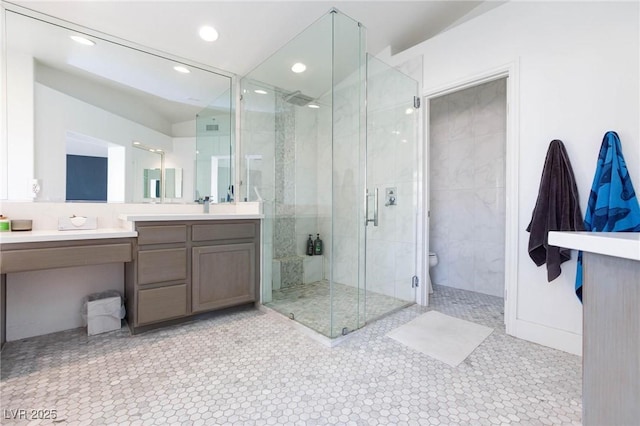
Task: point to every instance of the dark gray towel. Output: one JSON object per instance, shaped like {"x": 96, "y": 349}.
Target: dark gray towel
{"x": 557, "y": 209}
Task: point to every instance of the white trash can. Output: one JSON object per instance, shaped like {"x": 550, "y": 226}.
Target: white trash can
{"x": 103, "y": 312}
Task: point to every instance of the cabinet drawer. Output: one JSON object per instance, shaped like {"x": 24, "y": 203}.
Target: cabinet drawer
{"x": 162, "y": 265}
{"x": 162, "y": 234}
{"x": 159, "y": 304}
{"x": 223, "y": 231}
{"x": 63, "y": 257}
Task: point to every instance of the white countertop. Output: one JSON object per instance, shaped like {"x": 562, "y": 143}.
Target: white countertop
{"x": 617, "y": 244}
{"x": 55, "y": 235}
{"x": 146, "y": 217}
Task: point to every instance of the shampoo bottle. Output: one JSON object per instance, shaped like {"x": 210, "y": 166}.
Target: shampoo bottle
{"x": 317, "y": 246}
{"x": 310, "y": 246}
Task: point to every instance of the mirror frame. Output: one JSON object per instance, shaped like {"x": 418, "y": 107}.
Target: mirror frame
{"x": 48, "y": 19}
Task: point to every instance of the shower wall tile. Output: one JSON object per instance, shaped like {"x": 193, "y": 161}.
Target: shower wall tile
{"x": 438, "y": 120}
{"x": 291, "y": 273}
{"x": 405, "y": 226}
{"x": 467, "y": 179}
{"x": 488, "y": 117}
{"x": 305, "y": 225}
{"x": 460, "y": 215}
{"x": 461, "y": 163}
{"x": 439, "y": 211}
{"x": 405, "y": 158}
{"x": 460, "y": 114}
{"x": 391, "y": 163}
{"x": 380, "y": 267}
{"x": 489, "y": 218}
{"x": 489, "y": 268}
{"x": 488, "y": 168}
{"x": 404, "y": 262}
{"x": 461, "y": 266}
{"x": 284, "y": 237}
{"x": 438, "y": 165}
{"x": 285, "y": 158}
{"x": 306, "y": 185}
{"x": 345, "y": 260}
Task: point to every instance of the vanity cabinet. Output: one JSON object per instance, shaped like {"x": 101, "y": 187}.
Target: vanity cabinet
{"x": 180, "y": 269}
{"x": 223, "y": 275}
{"x": 611, "y": 341}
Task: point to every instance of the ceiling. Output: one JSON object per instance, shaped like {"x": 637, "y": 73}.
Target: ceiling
{"x": 251, "y": 31}
{"x": 141, "y": 87}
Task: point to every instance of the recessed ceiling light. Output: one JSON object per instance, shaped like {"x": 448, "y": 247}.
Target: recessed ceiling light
{"x": 408, "y": 111}
{"x": 313, "y": 106}
{"x": 260, "y": 92}
{"x": 180, "y": 68}
{"x": 208, "y": 33}
{"x": 298, "y": 67}
{"x": 136, "y": 143}
{"x": 152, "y": 150}
{"x": 82, "y": 40}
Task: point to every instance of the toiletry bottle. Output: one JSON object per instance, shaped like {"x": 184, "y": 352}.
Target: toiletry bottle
{"x": 317, "y": 246}
{"x": 5, "y": 224}
{"x": 310, "y": 246}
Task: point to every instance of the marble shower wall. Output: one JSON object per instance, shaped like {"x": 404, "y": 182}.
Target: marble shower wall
{"x": 257, "y": 157}
{"x": 306, "y": 166}
{"x": 284, "y": 240}
{"x": 467, "y": 183}
{"x": 339, "y": 183}
{"x": 391, "y": 163}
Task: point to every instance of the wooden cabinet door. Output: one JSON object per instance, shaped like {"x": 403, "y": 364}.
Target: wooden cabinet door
{"x": 223, "y": 275}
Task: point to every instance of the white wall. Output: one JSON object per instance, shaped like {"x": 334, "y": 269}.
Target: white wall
{"x": 66, "y": 113}
{"x": 183, "y": 156}
{"x": 578, "y": 74}
{"x": 20, "y": 141}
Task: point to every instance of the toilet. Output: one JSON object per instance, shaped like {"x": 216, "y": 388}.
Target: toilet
{"x": 433, "y": 261}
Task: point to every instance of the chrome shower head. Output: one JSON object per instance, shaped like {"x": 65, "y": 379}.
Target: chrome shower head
{"x": 297, "y": 98}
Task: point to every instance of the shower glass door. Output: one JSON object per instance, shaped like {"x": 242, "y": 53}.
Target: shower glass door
{"x": 391, "y": 190}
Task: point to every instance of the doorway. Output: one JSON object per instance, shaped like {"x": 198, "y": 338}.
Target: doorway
{"x": 468, "y": 187}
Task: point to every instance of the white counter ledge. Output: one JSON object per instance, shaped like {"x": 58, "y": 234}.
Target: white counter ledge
{"x": 15, "y": 237}
{"x": 147, "y": 217}
{"x": 618, "y": 244}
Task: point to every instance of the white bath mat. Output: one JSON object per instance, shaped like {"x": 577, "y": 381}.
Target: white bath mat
{"x": 442, "y": 337}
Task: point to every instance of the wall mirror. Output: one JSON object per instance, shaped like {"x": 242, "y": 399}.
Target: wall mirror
{"x": 77, "y": 104}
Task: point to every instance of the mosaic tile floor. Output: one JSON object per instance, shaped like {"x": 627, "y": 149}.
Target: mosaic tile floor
{"x": 310, "y": 304}
{"x": 248, "y": 367}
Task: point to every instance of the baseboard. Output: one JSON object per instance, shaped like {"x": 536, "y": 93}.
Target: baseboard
{"x": 548, "y": 336}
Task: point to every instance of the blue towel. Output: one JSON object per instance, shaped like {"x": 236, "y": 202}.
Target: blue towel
{"x": 613, "y": 206}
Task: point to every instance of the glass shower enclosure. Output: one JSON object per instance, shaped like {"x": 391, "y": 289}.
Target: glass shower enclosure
{"x": 317, "y": 145}
{"x": 215, "y": 133}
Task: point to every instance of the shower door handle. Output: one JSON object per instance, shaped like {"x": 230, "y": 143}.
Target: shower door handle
{"x": 375, "y": 207}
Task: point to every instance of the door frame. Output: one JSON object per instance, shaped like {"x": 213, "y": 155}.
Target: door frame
{"x": 510, "y": 71}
